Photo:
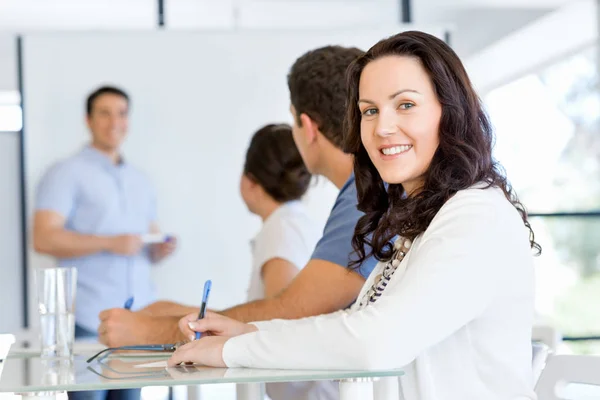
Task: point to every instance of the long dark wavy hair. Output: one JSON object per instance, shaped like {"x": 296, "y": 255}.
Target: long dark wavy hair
{"x": 462, "y": 159}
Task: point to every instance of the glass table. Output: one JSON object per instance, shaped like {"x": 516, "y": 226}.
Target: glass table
{"x": 25, "y": 373}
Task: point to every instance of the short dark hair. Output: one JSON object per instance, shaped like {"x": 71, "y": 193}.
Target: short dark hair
{"x": 99, "y": 92}
{"x": 317, "y": 84}
{"x": 274, "y": 162}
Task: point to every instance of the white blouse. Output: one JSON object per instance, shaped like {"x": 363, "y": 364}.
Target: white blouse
{"x": 456, "y": 316}
{"x": 288, "y": 233}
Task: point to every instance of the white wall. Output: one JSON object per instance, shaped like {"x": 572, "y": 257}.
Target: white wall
{"x": 10, "y": 234}
{"x": 11, "y": 293}
{"x": 8, "y": 62}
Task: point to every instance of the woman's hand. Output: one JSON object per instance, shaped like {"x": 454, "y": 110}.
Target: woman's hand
{"x": 213, "y": 324}
{"x": 205, "y": 351}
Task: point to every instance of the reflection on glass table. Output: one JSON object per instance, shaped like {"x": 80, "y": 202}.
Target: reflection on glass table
{"x": 32, "y": 376}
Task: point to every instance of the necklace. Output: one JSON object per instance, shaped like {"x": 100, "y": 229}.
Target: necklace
{"x": 401, "y": 247}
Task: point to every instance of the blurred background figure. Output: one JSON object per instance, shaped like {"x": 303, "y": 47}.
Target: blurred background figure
{"x": 92, "y": 210}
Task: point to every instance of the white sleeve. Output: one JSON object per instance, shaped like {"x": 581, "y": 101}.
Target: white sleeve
{"x": 280, "y": 324}
{"x": 450, "y": 280}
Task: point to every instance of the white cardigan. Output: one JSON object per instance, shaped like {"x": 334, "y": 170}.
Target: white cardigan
{"x": 456, "y": 316}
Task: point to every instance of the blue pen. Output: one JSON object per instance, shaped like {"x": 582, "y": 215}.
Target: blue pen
{"x": 128, "y": 303}
{"x": 207, "y": 286}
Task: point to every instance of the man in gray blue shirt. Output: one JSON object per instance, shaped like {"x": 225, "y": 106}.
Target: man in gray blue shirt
{"x": 317, "y": 84}
{"x": 92, "y": 211}
{"x": 318, "y": 95}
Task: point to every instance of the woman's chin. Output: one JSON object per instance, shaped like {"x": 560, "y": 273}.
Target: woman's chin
{"x": 392, "y": 178}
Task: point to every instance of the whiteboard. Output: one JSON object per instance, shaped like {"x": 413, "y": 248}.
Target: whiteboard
{"x": 197, "y": 97}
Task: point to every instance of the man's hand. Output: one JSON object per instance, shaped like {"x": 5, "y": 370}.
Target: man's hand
{"x": 206, "y": 351}
{"x": 321, "y": 287}
{"x": 125, "y": 245}
{"x": 159, "y": 251}
{"x": 213, "y": 324}
{"x": 120, "y": 327}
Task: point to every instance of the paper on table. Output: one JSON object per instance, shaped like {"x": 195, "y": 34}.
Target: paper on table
{"x": 156, "y": 364}
{"x": 154, "y": 238}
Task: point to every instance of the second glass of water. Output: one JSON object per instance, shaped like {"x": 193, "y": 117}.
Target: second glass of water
{"x": 56, "y": 289}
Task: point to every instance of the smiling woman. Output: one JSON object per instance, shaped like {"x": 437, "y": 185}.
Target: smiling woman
{"x": 430, "y": 122}
{"x": 400, "y": 128}
{"x": 451, "y": 302}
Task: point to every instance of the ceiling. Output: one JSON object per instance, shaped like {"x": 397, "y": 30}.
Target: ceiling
{"x": 478, "y": 23}
{"x": 475, "y": 23}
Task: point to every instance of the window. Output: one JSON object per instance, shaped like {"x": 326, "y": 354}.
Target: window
{"x": 568, "y": 277}
{"x": 548, "y": 140}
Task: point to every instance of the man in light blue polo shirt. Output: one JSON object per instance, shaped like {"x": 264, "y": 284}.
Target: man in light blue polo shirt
{"x": 91, "y": 211}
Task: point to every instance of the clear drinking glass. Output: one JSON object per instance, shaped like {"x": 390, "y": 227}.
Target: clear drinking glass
{"x": 56, "y": 289}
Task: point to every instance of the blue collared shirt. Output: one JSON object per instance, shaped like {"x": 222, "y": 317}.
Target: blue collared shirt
{"x": 336, "y": 243}
{"x": 98, "y": 197}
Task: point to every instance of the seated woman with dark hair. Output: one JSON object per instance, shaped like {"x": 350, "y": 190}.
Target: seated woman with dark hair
{"x": 272, "y": 183}
{"x": 451, "y": 301}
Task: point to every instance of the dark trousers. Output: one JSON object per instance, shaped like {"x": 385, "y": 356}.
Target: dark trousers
{"x": 121, "y": 394}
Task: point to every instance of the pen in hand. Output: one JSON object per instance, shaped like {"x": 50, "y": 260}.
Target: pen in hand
{"x": 205, "y": 293}
{"x": 128, "y": 303}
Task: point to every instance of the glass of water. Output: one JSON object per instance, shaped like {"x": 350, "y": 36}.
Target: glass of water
{"x": 56, "y": 288}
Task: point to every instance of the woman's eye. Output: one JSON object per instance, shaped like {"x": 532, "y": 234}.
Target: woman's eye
{"x": 406, "y": 106}
{"x": 369, "y": 112}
